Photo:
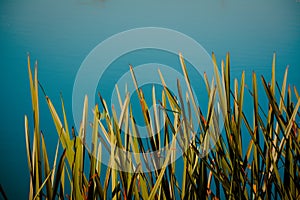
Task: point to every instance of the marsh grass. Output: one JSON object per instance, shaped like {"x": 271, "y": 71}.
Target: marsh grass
{"x": 269, "y": 168}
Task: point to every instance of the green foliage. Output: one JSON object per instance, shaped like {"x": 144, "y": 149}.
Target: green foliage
{"x": 208, "y": 172}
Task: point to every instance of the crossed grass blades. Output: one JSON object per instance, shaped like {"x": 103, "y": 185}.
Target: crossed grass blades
{"x": 268, "y": 169}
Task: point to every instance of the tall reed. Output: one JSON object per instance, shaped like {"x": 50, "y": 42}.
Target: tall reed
{"x": 269, "y": 168}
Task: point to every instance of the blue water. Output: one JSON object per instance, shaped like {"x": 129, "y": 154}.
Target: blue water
{"x": 60, "y": 34}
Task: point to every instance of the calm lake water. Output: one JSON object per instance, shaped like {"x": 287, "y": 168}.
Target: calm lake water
{"x": 61, "y": 34}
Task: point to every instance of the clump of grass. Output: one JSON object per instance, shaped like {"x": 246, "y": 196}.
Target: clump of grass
{"x": 223, "y": 172}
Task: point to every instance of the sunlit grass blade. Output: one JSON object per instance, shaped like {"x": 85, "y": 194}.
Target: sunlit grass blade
{"x": 156, "y": 119}
{"x": 136, "y": 150}
{"x": 288, "y": 129}
{"x": 132, "y": 182}
{"x": 119, "y": 96}
{"x": 83, "y": 125}
{"x": 94, "y": 142}
{"x": 185, "y": 143}
{"x": 227, "y": 79}
{"x": 54, "y": 162}
{"x": 61, "y": 133}
{"x": 173, "y": 103}
{"x": 296, "y": 92}
{"x": 187, "y": 80}
{"x": 239, "y": 120}
{"x": 281, "y": 107}
{"x": 255, "y": 163}
{"x": 66, "y": 126}
{"x": 38, "y": 195}
{"x": 29, "y": 158}
{"x": 37, "y": 169}
{"x": 99, "y": 187}
{"x": 273, "y": 81}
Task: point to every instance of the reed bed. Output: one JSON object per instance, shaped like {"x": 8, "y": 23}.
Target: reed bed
{"x": 268, "y": 169}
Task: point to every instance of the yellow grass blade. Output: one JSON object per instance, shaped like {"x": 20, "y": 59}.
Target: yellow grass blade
{"x": 187, "y": 80}
{"x": 54, "y": 162}
{"x": 156, "y": 117}
{"x": 37, "y": 195}
{"x": 66, "y": 126}
{"x": 82, "y": 132}
{"x": 174, "y": 105}
{"x": 33, "y": 81}
{"x": 29, "y": 159}
{"x": 94, "y": 142}
{"x": 119, "y": 96}
{"x": 66, "y": 144}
